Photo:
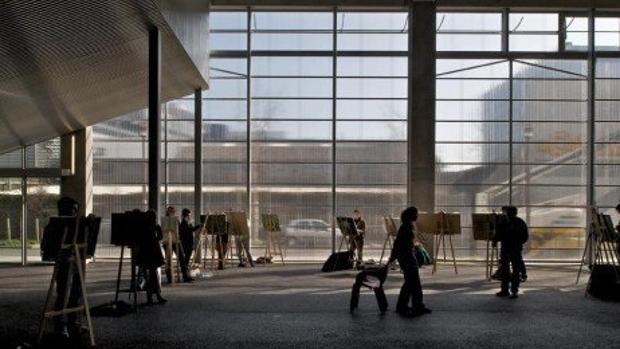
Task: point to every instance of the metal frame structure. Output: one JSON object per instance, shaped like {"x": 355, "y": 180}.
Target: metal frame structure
{"x": 503, "y": 54}
{"x": 590, "y": 55}
{"x": 334, "y": 53}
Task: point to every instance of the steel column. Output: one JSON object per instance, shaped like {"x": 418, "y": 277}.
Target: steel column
{"x": 154, "y": 121}
{"x": 591, "y": 200}
{"x": 197, "y": 153}
{"x": 334, "y": 82}
{"x": 24, "y": 209}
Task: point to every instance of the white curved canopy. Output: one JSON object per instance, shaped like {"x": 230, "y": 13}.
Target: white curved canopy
{"x": 67, "y": 64}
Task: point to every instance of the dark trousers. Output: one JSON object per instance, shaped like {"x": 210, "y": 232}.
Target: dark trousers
{"x": 520, "y": 262}
{"x": 67, "y": 280}
{"x": 180, "y": 259}
{"x": 357, "y": 245}
{"x": 188, "y": 246}
{"x": 355, "y": 292}
{"x": 412, "y": 288}
{"x": 153, "y": 286}
{"x": 243, "y": 245}
{"x": 510, "y": 270}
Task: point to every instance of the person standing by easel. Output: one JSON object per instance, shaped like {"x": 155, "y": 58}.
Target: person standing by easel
{"x": 403, "y": 251}
{"x": 512, "y": 233}
{"x": 186, "y": 233}
{"x": 150, "y": 258}
{"x": 174, "y": 248}
{"x": 357, "y": 241}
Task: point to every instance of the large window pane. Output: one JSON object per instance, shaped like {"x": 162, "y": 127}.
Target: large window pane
{"x": 10, "y": 219}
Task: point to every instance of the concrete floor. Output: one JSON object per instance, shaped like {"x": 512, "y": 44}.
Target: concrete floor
{"x": 297, "y": 306}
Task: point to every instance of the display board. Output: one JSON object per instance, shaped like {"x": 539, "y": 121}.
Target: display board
{"x": 483, "y": 226}
{"x": 347, "y": 226}
{"x": 216, "y": 224}
{"x": 428, "y": 223}
{"x": 271, "y": 222}
{"x": 390, "y": 226}
{"x": 239, "y": 223}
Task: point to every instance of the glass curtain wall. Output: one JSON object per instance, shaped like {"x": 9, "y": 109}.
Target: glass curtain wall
{"x": 291, "y": 127}
{"x": 472, "y": 169}
{"x": 225, "y": 116}
{"x": 40, "y": 196}
{"x": 607, "y": 106}
{"x": 308, "y": 110}
{"x": 120, "y": 171}
{"x": 371, "y": 119}
{"x": 327, "y": 120}
{"x": 513, "y": 128}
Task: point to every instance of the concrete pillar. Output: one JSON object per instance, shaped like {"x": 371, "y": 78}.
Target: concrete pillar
{"x": 421, "y": 126}
{"x": 76, "y": 159}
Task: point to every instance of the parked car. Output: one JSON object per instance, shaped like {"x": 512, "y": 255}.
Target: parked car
{"x": 309, "y": 233}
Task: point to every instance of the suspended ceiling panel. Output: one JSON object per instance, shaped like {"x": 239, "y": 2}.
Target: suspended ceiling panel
{"x": 67, "y": 64}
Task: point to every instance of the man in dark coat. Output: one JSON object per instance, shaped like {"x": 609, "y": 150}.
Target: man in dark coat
{"x": 512, "y": 232}
{"x": 186, "y": 233}
{"x": 403, "y": 251}
{"x": 150, "y": 257}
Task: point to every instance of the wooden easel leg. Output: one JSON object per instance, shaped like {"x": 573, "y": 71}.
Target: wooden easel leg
{"x": 437, "y": 242}
{"x": 492, "y": 261}
{"x": 78, "y": 261}
{"x": 65, "y": 302}
{"x": 387, "y": 238}
{"x": 453, "y": 255}
{"x": 169, "y": 260}
{"x": 222, "y": 257}
{"x": 213, "y": 242}
{"x": 118, "y": 275}
{"x": 233, "y": 246}
{"x": 50, "y": 291}
{"x": 279, "y": 250}
{"x": 443, "y": 244}
{"x": 134, "y": 282}
{"x": 178, "y": 264}
{"x": 487, "y": 263}
{"x": 204, "y": 252}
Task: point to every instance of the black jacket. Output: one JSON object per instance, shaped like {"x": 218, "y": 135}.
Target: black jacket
{"x": 403, "y": 246}
{"x": 149, "y": 253}
{"x": 186, "y": 232}
{"x": 512, "y": 233}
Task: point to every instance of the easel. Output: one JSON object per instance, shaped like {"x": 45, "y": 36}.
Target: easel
{"x": 390, "y": 234}
{"x": 484, "y": 228}
{"x": 241, "y": 233}
{"x": 444, "y": 227}
{"x": 216, "y": 225}
{"x": 271, "y": 225}
{"x": 133, "y": 282}
{"x": 599, "y": 248}
{"x": 201, "y": 248}
{"x": 232, "y": 236}
{"x": 74, "y": 259}
{"x": 348, "y": 229}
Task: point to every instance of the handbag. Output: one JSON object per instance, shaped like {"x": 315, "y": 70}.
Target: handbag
{"x": 423, "y": 256}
